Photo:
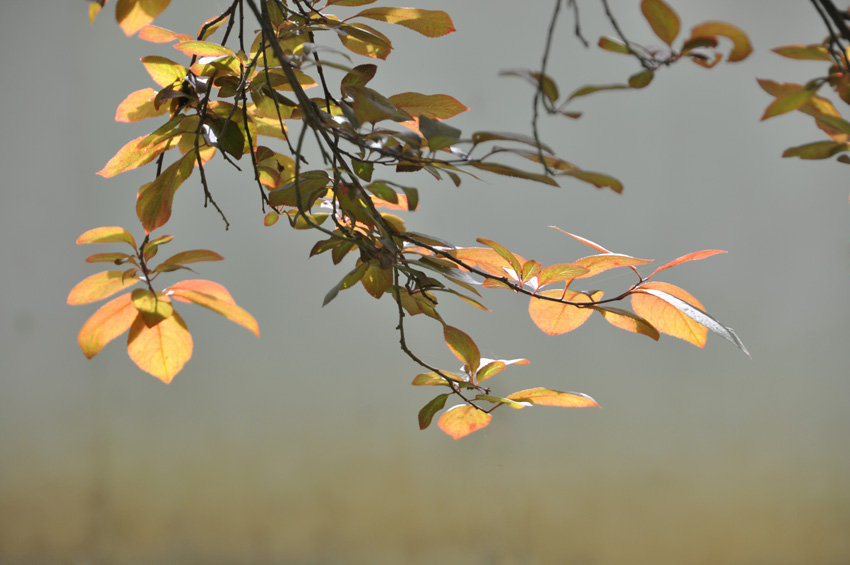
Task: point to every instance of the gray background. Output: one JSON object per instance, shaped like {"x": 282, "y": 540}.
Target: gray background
{"x": 303, "y": 447}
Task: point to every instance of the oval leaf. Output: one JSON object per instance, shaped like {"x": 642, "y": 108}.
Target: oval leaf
{"x": 111, "y": 234}
{"x": 663, "y": 20}
{"x": 463, "y": 347}
{"x": 161, "y": 350}
{"x": 555, "y": 318}
{"x": 224, "y": 307}
{"x": 625, "y": 320}
{"x": 428, "y": 411}
{"x": 430, "y": 23}
{"x": 111, "y": 320}
{"x": 547, "y": 397}
{"x": 666, "y": 317}
{"x": 462, "y": 420}
{"x": 99, "y": 286}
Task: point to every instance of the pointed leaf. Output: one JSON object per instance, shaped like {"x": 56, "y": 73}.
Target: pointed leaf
{"x": 663, "y": 20}
{"x": 116, "y": 258}
{"x": 499, "y": 400}
{"x": 153, "y": 203}
{"x": 696, "y": 256}
{"x": 590, "y": 89}
{"x": 428, "y": 411}
{"x": 139, "y": 105}
{"x": 99, "y": 286}
{"x": 204, "y": 49}
{"x": 539, "y": 81}
{"x": 364, "y": 40}
{"x": 132, "y": 15}
{"x": 134, "y": 154}
{"x": 108, "y": 322}
{"x": 438, "y": 134}
{"x": 199, "y": 285}
{"x": 596, "y": 264}
{"x": 462, "y": 420}
{"x": 807, "y": 52}
{"x": 512, "y": 172}
{"x": 193, "y": 256}
{"x": 376, "y": 280}
{"x": 788, "y": 102}
{"x": 625, "y": 320}
{"x": 161, "y": 350}
{"x": 434, "y": 379}
{"x": 504, "y": 254}
{"x": 598, "y": 180}
{"x": 347, "y": 281}
{"x": 482, "y": 136}
{"x": 555, "y": 318}
{"x": 613, "y": 45}
{"x": 430, "y": 23}
{"x": 434, "y": 106}
{"x": 666, "y": 317}
{"x": 111, "y": 234}
{"x": 156, "y": 34}
{"x": 222, "y": 306}
{"x": 485, "y": 259}
{"x": 547, "y": 397}
{"x": 578, "y": 238}
{"x": 164, "y": 71}
{"x": 560, "y": 273}
{"x": 463, "y": 347}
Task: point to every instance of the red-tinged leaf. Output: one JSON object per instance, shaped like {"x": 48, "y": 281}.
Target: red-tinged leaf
{"x": 788, "y": 102}
{"x": 99, "y": 286}
{"x": 224, "y": 307}
{"x": 700, "y": 317}
{"x": 156, "y": 34}
{"x": 596, "y": 264}
{"x": 139, "y": 105}
{"x": 365, "y": 40}
{"x": 199, "y": 285}
{"x": 836, "y": 128}
{"x": 504, "y": 254}
{"x": 512, "y": 172}
{"x": 430, "y": 23}
{"x": 402, "y": 203}
{"x": 696, "y": 256}
{"x": 154, "y": 307}
{"x": 555, "y": 318}
{"x": 665, "y": 317}
{"x": 153, "y": 203}
{"x": 434, "y": 106}
{"x": 547, "y": 397}
{"x": 578, "y": 238}
{"x": 376, "y": 280}
{"x": 598, "y": 180}
{"x": 641, "y": 79}
{"x": 613, "y": 45}
{"x": 816, "y": 150}
{"x": 133, "y": 15}
{"x": 530, "y": 270}
{"x": 111, "y": 234}
{"x": 210, "y": 26}
{"x": 491, "y": 367}
{"x": 815, "y": 52}
{"x": 164, "y": 71}
{"x": 428, "y": 411}
{"x": 628, "y": 321}
{"x": 485, "y": 259}
{"x": 590, "y": 89}
{"x": 560, "y": 273}
{"x": 133, "y": 155}
{"x": 204, "y": 49}
{"x": 462, "y": 420}
{"x": 192, "y": 256}
{"x": 662, "y": 18}
{"x": 111, "y": 320}
{"x": 161, "y": 350}
{"x": 741, "y": 47}
{"x": 463, "y": 347}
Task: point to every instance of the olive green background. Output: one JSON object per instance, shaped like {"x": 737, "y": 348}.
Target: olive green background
{"x": 303, "y": 447}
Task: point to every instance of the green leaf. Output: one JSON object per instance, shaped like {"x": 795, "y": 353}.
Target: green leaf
{"x": 663, "y": 20}
{"x": 364, "y": 170}
{"x": 192, "y": 256}
{"x": 537, "y": 80}
{"x": 788, "y": 102}
{"x": 598, "y": 180}
{"x": 463, "y": 347}
{"x": 512, "y": 172}
{"x": 153, "y": 204}
{"x": 438, "y": 134}
{"x": 613, "y": 45}
{"x": 815, "y": 52}
{"x": 434, "y": 379}
{"x": 482, "y": 136}
{"x": 590, "y": 89}
{"x": 347, "y": 281}
{"x": 816, "y": 150}
{"x": 504, "y": 254}
{"x": 428, "y": 411}
{"x": 641, "y": 79}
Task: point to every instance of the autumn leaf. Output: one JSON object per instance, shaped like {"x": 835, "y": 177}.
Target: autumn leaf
{"x": 111, "y": 234}
{"x": 428, "y": 411}
{"x": 547, "y": 397}
{"x": 132, "y": 15}
{"x": 161, "y": 350}
{"x": 625, "y": 320}
{"x": 662, "y": 18}
{"x": 463, "y": 347}
{"x": 108, "y": 322}
{"x": 99, "y": 286}
{"x": 153, "y": 203}
{"x": 788, "y": 102}
{"x": 214, "y": 297}
{"x": 741, "y": 47}
{"x": 696, "y": 256}
{"x": 665, "y": 317}
{"x": 139, "y": 105}
{"x": 816, "y": 52}
{"x": 154, "y": 307}
{"x": 164, "y": 71}
{"x": 556, "y": 318}
{"x": 134, "y": 154}
{"x": 461, "y": 420}
{"x": 434, "y": 106}
{"x": 430, "y": 23}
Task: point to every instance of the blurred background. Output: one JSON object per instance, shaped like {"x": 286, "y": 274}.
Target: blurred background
{"x": 303, "y": 446}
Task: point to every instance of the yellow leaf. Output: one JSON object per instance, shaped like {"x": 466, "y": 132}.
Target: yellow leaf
{"x": 154, "y": 307}
{"x": 133, "y": 155}
{"x": 665, "y": 317}
{"x": 430, "y": 23}
{"x": 462, "y": 420}
{"x": 139, "y": 105}
{"x": 741, "y": 47}
{"x": 164, "y": 71}
{"x": 161, "y": 350}
{"x": 219, "y": 303}
{"x": 555, "y": 318}
{"x": 548, "y": 397}
{"x": 133, "y": 15}
{"x": 99, "y": 286}
{"x": 111, "y": 320}
{"x": 663, "y": 20}
{"x": 110, "y": 234}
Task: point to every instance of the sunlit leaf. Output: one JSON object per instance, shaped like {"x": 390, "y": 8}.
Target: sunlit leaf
{"x": 512, "y": 172}
{"x": 161, "y": 350}
{"x": 153, "y": 203}
{"x": 556, "y": 318}
{"x": 164, "y": 71}
{"x": 134, "y": 154}
{"x": 347, "y": 281}
{"x": 547, "y": 397}
{"x": 485, "y": 259}
{"x": 430, "y": 23}
{"x": 503, "y": 252}
{"x": 499, "y": 400}
{"x": 200, "y": 285}
{"x": 210, "y": 26}
{"x": 628, "y": 321}
{"x": 369, "y": 105}
{"x": 788, "y": 102}
{"x": 696, "y": 256}
{"x": 461, "y": 420}
{"x": 156, "y": 34}
{"x": 215, "y": 301}
{"x": 204, "y": 49}
{"x": 560, "y": 273}
{"x": 152, "y": 306}
{"x": 596, "y": 264}
{"x": 463, "y": 347}
{"x": 428, "y": 411}
{"x": 365, "y": 40}
{"x": 376, "y": 280}
{"x": 111, "y": 234}
{"x": 434, "y": 379}
{"x": 815, "y": 52}
{"x": 139, "y": 105}
{"x": 663, "y": 20}
{"x": 741, "y": 47}
{"x": 667, "y": 318}
{"x": 132, "y": 15}
{"x": 192, "y": 256}
{"x": 434, "y": 106}
{"x": 491, "y": 367}
{"x": 117, "y": 258}
{"x": 108, "y": 322}
{"x": 99, "y": 286}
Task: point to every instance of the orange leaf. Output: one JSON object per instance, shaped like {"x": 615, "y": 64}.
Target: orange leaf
{"x": 133, "y": 15}
{"x": 741, "y": 47}
{"x": 596, "y": 264}
{"x": 111, "y": 234}
{"x": 156, "y": 34}
{"x": 111, "y": 320}
{"x": 161, "y": 350}
{"x": 625, "y": 320}
{"x": 139, "y": 105}
{"x": 696, "y": 256}
{"x": 548, "y": 397}
{"x": 154, "y": 307}
{"x": 133, "y": 155}
{"x": 430, "y": 23}
{"x": 665, "y": 317}
{"x": 199, "y": 285}
{"x": 154, "y": 199}
{"x": 485, "y": 259}
{"x": 587, "y": 242}
{"x": 224, "y": 306}
{"x": 462, "y": 420}
{"x": 663, "y": 20}
{"x": 463, "y": 347}
{"x": 555, "y": 318}
{"x": 99, "y": 286}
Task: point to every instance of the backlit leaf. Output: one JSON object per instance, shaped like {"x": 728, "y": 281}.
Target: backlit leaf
{"x": 503, "y": 252}
{"x": 192, "y": 256}
{"x": 99, "y": 286}
{"x": 164, "y": 71}
{"x": 485, "y": 259}
{"x": 132, "y": 15}
{"x": 816, "y": 150}
{"x": 153, "y": 307}
{"x": 816, "y": 52}
{"x": 434, "y": 379}
{"x": 350, "y": 2}
{"x": 364, "y": 40}
{"x": 117, "y": 258}
{"x": 741, "y": 47}
{"x": 428, "y": 411}
{"x": 613, "y": 45}
{"x": 376, "y": 280}
{"x": 512, "y": 172}
{"x": 161, "y": 350}
{"x": 108, "y": 322}
{"x": 134, "y": 154}
{"x": 204, "y": 49}
{"x": 156, "y": 34}
{"x": 598, "y": 180}
{"x": 347, "y": 281}
{"x": 663, "y": 20}
{"x": 463, "y": 347}
{"x": 491, "y": 367}
{"x": 200, "y": 285}
{"x": 628, "y": 321}
{"x": 555, "y": 318}
{"x": 430, "y": 23}
{"x": 462, "y": 420}
{"x": 139, "y": 105}
{"x": 220, "y": 305}
{"x": 547, "y": 397}
{"x": 596, "y": 264}
{"x": 578, "y": 238}
{"x": 696, "y": 256}
{"x": 111, "y": 234}
{"x": 667, "y": 318}
{"x": 506, "y": 401}
{"x": 153, "y": 203}
{"x": 788, "y": 102}
{"x": 560, "y": 273}
{"x": 434, "y": 106}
